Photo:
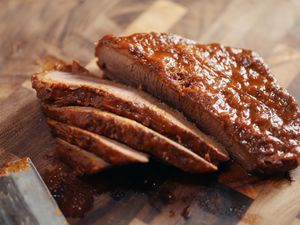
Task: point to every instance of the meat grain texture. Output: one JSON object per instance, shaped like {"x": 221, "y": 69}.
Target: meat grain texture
{"x": 73, "y": 85}
{"x": 230, "y": 93}
{"x": 82, "y": 161}
{"x": 105, "y": 148}
{"x": 130, "y": 133}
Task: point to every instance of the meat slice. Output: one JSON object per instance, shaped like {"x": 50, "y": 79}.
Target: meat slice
{"x": 81, "y": 160}
{"x": 73, "y": 85}
{"x": 107, "y": 149}
{"x": 230, "y": 93}
{"x": 130, "y": 133}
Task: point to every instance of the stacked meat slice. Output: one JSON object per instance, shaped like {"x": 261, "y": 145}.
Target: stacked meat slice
{"x": 100, "y": 123}
{"x": 229, "y": 93}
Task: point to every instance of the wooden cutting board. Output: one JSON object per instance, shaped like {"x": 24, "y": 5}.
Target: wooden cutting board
{"x": 151, "y": 194}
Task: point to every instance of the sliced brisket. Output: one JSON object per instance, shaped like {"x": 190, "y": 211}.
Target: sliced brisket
{"x": 230, "y": 93}
{"x": 73, "y": 85}
{"x": 106, "y": 148}
{"x": 81, "y": 160}
{"x": 130, "y": 133}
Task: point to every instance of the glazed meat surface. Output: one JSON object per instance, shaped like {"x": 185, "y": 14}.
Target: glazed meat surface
{"x": 230, "y": 93}
{"x": 73, "y": 85}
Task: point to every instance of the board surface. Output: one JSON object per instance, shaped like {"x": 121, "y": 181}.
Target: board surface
{"x": 151, "y": 194}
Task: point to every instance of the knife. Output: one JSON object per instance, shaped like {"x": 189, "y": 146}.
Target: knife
{"x": 24, "y": 197}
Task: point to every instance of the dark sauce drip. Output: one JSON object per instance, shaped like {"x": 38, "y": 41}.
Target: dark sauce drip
{"x": 171, "y": 213}
{"x": 166, "y": 196}
{"x": 76, "y": 195}
{"x": 72, "y": 196}
{"x": 186, "y": 213}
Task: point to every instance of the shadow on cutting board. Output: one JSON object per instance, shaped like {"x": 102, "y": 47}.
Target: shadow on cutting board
{"x": 152, "y": 193}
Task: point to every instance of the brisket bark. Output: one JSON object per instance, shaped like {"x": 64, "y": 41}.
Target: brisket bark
{"x": 230, "y": 93}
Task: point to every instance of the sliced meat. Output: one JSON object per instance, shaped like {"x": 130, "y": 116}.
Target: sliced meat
{"x": 73, "y": 85}
{"x": 130, "y": 133}
{"x": 81, "y": 160}
{"x": 106, "y": 148}
{"x": 230, "y": 93}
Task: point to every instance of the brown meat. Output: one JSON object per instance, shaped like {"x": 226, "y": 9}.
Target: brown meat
{"x": 230, "y": 93}
{"x": 81, "y": 88}
{"x": 130, "y": 133}
{"x": 107, "y": 149}
{"x": 81, "y": 160}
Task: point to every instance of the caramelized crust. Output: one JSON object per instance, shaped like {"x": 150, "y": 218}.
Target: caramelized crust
{"x": 229, "y": 92}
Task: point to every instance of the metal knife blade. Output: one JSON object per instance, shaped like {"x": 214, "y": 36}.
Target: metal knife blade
{"x": 24, "y": 197}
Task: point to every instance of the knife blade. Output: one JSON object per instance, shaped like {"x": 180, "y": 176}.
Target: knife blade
{"x": 24, "y": 197}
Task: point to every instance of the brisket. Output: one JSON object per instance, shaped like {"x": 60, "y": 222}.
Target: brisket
{"x": 229, "y": 93}
{"x": 130, "y": 133}
{"x": 73, "y": 85}
{"x": 81, "y": 160}
{"x": 107, "y": 149}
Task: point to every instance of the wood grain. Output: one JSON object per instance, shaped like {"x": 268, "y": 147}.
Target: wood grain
{"x": 159, "y": 17}
{"x": 155, "y": 194}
